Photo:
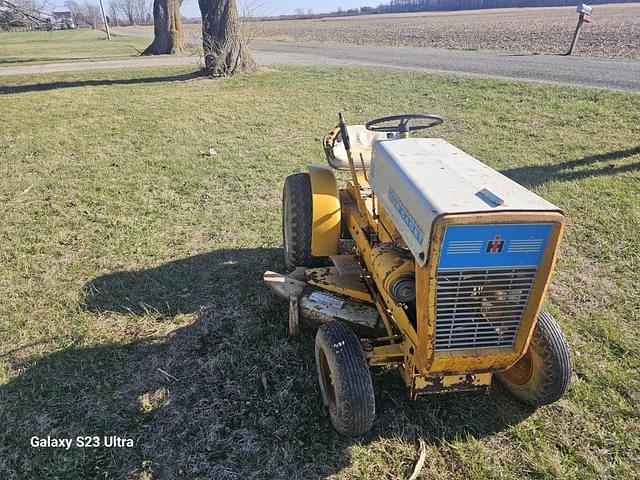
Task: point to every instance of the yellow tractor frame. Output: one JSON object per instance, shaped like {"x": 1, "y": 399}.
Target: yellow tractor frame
{"x": 354, "y": 214}
{"x": 423, "y": 370}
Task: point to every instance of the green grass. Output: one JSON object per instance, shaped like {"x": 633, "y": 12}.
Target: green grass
{"x": 125, "y": 251}
{"x": 66, "y": 45}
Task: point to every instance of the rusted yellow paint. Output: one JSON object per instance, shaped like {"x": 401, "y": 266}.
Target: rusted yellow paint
{"x": 387, "y": 231}
{"x": 390, "y": 311}
{"x": 389, "y": 265}
{"x": 392, "y": 354}
{"x": 325, "y": 234}
{"x": 449, "y": 383}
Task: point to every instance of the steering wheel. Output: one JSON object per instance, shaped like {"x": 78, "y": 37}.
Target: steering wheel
{"x": 403, "y": 123}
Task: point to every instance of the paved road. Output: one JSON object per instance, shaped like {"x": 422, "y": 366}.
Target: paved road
{"x": 593, "y": 72}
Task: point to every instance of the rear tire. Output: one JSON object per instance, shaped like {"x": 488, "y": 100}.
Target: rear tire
{"x": 345, "y": 379}
{"x": 297, "y": 222}
{"x": 543, "y": 374}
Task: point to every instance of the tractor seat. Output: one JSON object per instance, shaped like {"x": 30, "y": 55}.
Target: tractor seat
{"x": 361, "y": 144}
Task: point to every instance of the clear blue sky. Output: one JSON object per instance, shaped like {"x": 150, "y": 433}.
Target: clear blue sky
{"x": 284, "y": 7}
{"x": 270, "y": 7}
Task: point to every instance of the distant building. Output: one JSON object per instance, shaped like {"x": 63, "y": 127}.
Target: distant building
{"x": 63, "y": 18}
{"x": 62, "y": 15}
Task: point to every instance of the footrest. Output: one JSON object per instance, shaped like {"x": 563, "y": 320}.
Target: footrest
{"x": 346, "y": 264}
{"x": 328, "y": 278}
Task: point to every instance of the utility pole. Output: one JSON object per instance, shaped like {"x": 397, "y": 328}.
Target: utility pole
{"x": 104, "y": 19}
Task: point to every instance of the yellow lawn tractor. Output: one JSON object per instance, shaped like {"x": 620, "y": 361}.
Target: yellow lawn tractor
{"x": 427, "y": 260}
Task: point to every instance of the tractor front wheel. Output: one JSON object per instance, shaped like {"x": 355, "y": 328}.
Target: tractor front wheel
{"x": 297, "y": 222}
{"x": 345, "y": 379}
{"x": 543, "y": 374}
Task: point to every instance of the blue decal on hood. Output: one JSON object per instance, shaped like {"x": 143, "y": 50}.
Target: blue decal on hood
{"x": 500, "y": 245}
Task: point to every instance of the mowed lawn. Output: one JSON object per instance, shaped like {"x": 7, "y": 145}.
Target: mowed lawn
{"x": 131, "y": 258}
{"x": 66, "y": 45}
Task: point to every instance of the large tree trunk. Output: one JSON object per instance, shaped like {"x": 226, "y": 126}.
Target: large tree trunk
{"x": 167, "y": 28}
{"x": 225, "y": 50}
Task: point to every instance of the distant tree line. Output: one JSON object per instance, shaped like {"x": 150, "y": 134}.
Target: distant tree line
{"x": 130, "y": 12}
{"x": 83, "y": 13}
{"x": 119, "y": 12}
{"x": 395, "y": 6}
{"x": 398, "y": 6}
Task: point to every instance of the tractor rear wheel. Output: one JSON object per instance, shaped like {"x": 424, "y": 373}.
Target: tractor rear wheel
{"x": 297, "y": 222}
{"x": 543, "y": 374}
{"x": 345, "y": 379}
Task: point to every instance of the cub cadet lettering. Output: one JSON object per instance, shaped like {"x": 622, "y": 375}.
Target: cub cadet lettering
{"x": 409, "y": 222}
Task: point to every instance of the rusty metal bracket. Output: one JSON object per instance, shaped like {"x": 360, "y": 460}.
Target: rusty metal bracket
{"x": 391, "y": 354}
{"x": 294, "y": 316}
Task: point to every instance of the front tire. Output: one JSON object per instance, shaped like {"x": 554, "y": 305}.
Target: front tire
{"x": 297, "y": 222}
{"x": 345, "y": 379}
{"x": 543, "y": 374}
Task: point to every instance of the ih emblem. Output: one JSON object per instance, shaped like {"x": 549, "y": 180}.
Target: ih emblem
{"x": 495, "y": 245}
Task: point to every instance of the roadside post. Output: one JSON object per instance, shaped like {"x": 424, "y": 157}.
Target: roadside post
{"x": 104, "y": 19}
{"x": 584, "y": 13}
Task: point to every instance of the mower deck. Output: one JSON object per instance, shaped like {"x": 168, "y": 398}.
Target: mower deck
{"x": 311, "y": 304}
{"x": 320, "y": 295}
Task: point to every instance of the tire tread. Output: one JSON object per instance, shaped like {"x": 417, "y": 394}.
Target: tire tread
{"x": 298, "y": 187}
{"x": 553, "y": 380}
{"x": 355, "y": 409}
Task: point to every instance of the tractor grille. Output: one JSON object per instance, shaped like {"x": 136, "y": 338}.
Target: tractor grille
{"x": 481, "y": 307}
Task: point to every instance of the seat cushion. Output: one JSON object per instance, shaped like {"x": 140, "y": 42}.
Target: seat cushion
{"x": 361, "y": 144}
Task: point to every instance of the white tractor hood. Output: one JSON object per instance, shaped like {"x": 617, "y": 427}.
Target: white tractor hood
{"x": 419, "y": 179}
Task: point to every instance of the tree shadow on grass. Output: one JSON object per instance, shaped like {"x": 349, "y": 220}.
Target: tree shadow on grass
{"x": 224, "y": 394}
{"x": 41, "y": 61}
{"x": 537, "y": 175}
{"x": 39, "y": 87}
{"x": 17, "y": 60}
